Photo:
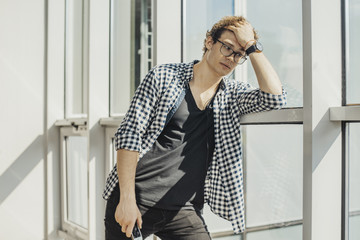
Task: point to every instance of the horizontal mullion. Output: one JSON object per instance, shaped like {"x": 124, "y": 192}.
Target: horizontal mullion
{"x": 283, "y": 116}
{"x": 345, "y": 113}
{"x": 259, "y": 228}
{"x": 71, "y": 122}
{"x": 112, "y": 121}
{"x": 274, "y": 226}
{"x": 354, "y": 213}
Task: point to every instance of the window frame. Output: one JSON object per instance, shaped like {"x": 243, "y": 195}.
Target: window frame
{"x": 77, "y": 127}
{"x": 343, "y": 114}
{"x": 346, "y": 114}
{"x": 292, "y": 115}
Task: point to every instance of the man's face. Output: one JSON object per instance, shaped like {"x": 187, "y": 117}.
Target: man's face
{"x": 217, "y": 61}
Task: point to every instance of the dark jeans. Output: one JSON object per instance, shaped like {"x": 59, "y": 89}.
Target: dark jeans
{"x": 184, "y": 224}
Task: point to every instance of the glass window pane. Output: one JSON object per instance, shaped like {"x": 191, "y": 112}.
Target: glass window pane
{"x": 282, "y": 41}
{"x": 354, "y": 180}
{"x": 215, "y": 223}
{"x": 195, "y": 26}
{"x": 120, "y": 55}
{"x": 353, "y": 79}
{"x": 75, "y": 105}
{"x": 76, "y": 184}
{"x": 273, "y": 173}
{"x": 285, "y": 233}
{"x": 197, "y": 22}
{"x": 131, "y": 50}
{"x": 354, "y": 229}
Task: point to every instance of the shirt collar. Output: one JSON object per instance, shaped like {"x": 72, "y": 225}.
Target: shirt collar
{"x": 188, "y": 74}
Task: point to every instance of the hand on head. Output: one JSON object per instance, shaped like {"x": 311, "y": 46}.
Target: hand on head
{"x": 244, "y": 34}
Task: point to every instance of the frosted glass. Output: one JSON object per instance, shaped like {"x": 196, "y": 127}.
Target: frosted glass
{"x": 273, "y": 172}
{"x": 282, "y": 41}
{"x": 77, "y": 187}
{"x": 353, "y": 79}
{"x": 285, "y": 233}
{"x": 198, "y": 22}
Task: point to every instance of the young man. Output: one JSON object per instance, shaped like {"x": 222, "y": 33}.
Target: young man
{"x": 180, "y": 143}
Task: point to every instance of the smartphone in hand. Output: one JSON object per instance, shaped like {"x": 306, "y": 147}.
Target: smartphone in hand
{"x": 136, "y": 234}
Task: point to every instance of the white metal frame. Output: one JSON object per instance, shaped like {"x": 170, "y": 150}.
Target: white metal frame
{"x": 69, "y": 229}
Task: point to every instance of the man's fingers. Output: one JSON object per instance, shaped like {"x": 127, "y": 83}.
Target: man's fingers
{"x": 231, "y": 28}
{"x": 129, "y": 230}
{"x": 139, "y": 221}
{"x": 123, "y": 228}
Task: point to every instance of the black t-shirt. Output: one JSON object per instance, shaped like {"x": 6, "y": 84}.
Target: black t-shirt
{"x": 172, "y": 173}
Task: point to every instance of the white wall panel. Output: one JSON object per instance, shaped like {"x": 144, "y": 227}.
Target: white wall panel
{"x": 322, "y": 138}
{"x": 22, "y": 115}
{"x": 56, "y": 20}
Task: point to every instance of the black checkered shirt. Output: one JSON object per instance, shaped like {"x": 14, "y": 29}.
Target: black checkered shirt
{"x": 146, "y": 118}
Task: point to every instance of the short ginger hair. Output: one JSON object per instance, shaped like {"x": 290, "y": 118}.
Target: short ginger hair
{"x": 219, "y": 27}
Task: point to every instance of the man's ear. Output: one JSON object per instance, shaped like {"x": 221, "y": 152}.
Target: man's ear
{"x": 209, "y": 42}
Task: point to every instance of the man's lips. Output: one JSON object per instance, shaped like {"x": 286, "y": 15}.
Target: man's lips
{"x": 226, "y": 65}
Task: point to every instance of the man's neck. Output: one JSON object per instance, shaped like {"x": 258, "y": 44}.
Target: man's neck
{"x": 204, "y": 76}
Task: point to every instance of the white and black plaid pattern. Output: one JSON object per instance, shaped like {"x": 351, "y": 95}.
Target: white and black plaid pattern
{"x": 146, "y": 118}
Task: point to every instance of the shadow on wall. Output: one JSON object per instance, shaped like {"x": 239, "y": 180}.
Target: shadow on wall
{"x": 21, "y": 167}
{"x": 28, "y": 160}
{"x": 328, "y": 134}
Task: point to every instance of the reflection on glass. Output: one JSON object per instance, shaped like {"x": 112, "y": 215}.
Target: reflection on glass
{"x": 282, "y": 41}
{"x": 76, "y": 175}
{"x": 74, "y": 83}
{"x": 120, "y": 55}
{"x": 197, "y": 22}
{"x": 353, "y": 79}
{"x": 143, "y": 31}
{"x": 273, "y": 172}
{"x": 131, "y": 50}
{"x": 285, "y": 233}
{"x": 354, "y": 180}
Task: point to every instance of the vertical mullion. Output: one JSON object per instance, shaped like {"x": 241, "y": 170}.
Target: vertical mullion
{"x": 307, "y": 122}
{"x": 345, "y": 182}
{"x": 344, "y": 125}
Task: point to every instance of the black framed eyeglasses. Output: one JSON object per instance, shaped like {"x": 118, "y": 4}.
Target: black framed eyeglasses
{"x": 227, "y": 52}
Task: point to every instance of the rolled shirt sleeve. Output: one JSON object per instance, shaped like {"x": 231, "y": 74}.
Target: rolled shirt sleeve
{"x": 132, "y": 128}
{"x": 252, "y": 99}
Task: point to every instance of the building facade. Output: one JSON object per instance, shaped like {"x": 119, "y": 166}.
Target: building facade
{"x": 68, "y": 70}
